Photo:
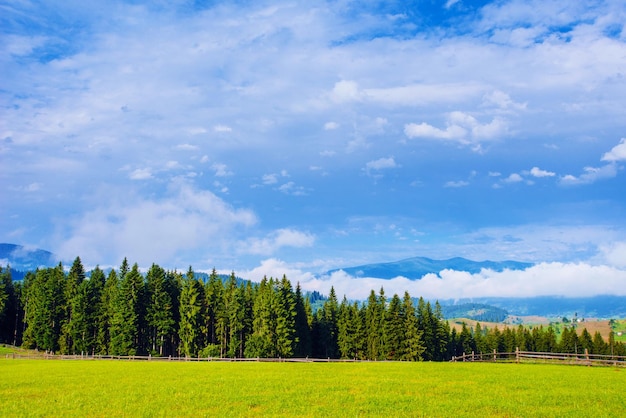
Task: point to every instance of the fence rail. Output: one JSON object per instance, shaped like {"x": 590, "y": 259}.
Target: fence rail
{"x": 47, "y": 356}
{"x": 583, "y": 359}
{"x": 518, "y": 356}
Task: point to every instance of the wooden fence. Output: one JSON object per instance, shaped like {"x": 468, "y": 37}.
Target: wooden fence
{"x": 46, "y": 356}
{"x": 518, "y": 356}
{"x": 582, "y": 359}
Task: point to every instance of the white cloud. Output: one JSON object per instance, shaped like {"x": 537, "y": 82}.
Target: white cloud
{"x": 292, "y": 189}
{"x": 221, "y": 170}
{"x": 222, "y": 128}
{"x": 381, "y": 164}
{"x": 544, "y": 279}
{"x": 187, "y": 147}
{"x": 513, "y": 178}
{"x": 461, "y": 127}
{"x": 590, "y": 175}
{"x": 456, "y": 184}
{"x": 537, "y": 172}
{"x": 615, "y": 254}
{"x": 617, "y": 153}
{"x": 154, "y": 231}
{"x": 276, "y": 240}
{"x": 424, "y": 130}
{"x": 329, "y": 126}
{"x": 270, "y": 178}
{"x": 141, "y": 174}
{"x": 276, "y": 268}
{"x": 345, "y": 91}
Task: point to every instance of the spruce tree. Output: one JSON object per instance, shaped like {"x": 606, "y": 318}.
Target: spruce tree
{"x": 412, "y": 347}
{"x": 191, "y": 315}
{"x": 159, "y": 313}
{"x": 126, "y": 332}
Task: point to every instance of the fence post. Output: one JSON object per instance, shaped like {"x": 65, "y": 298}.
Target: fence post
{"x": 587, "y": 357}
{"x": 494, "y": 355}
{"x": 472, "y": 355}
{"x": 517, "y": 354}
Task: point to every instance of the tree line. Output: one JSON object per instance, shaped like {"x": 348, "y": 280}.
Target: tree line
{"x": 168, "y": 313}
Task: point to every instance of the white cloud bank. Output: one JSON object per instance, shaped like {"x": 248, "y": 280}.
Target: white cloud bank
{"x": 544, "y": 279}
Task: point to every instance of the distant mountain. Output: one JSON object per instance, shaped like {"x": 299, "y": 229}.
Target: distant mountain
{"x": 476, "y": 311}
{"x": 603, "y": 306}
{"x": 23, "y": 259}
{"x": 415, "y": 268}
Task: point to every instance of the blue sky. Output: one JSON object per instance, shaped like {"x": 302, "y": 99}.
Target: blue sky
{"x": 296, "y": 137}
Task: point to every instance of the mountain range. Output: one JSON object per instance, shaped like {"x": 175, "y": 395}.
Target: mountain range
{"x": 417, "y": 267}
{"x": 25, "y": 259}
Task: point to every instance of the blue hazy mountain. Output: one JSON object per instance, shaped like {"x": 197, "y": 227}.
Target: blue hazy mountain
{"x": 24, "y": 259}
{"x": 415, "y": 268}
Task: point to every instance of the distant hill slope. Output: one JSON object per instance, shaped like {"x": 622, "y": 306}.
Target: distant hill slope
{"x": 415, "y": 268}
{"x": 21, "y": 258}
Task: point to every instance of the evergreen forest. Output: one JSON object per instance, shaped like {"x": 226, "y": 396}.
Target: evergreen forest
{"x": 168, "y": 313}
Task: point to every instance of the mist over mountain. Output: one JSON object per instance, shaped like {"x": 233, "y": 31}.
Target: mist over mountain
{"x": 21, "y": 258}
{"x": 417, "y": 267}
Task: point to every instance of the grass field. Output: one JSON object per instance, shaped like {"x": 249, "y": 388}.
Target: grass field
{"x": 147, "y": 389}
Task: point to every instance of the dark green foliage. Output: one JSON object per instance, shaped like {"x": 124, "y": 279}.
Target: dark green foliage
{"x": 167, "y": 313}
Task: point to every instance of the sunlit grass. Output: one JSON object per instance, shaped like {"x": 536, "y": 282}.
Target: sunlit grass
{"x": 124, "y": 388}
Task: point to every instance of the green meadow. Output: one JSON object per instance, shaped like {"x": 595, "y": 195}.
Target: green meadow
{"x": 390, "y": 389}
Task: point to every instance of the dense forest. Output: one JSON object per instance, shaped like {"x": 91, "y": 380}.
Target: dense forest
{"x": 167, "y": 313}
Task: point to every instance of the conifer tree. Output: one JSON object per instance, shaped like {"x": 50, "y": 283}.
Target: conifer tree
{"x": 126, "y": 333}
{"x": 108, "y": 301}
{"x": 302, "y": 325}
{"x": 72, "y": 326}
{"x": 394, "y": 329}
{"x": 191, "y": 315}
{"x": 159, "y": 313}
{"x": 285, "y": 331}
{"x": 412, "y": 347}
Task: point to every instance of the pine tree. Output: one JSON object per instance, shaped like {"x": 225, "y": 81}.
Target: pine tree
{"x": 394, "y": 328}
{"x": 264, "y": 321}
{"x": 126, "y": 333}
{"x": 108, "y": 301}
{"x": 96, "y": 313}
{"x": 73, "y": 325}
{"x": 191, "y": 315}
{"x": 159, "y": 313}
{"x": 9, "y": 308}
{"x": 302, "y": 326}
{"x": 285, "y": 332}
{"x": 373, "y": 319}
{"x": 412, "y": 347}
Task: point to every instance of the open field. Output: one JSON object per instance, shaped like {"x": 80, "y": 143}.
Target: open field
{"x": 126, "y": 388}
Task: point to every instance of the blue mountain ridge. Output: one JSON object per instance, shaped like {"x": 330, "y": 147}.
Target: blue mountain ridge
{"x": 417, "y": 267}
{"x": 24, "y": 259}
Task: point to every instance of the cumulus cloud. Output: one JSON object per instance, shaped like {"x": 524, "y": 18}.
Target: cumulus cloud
{"x": 537, "y": 172}
{"x": 275, "y": 240}
{"x": 140, "y": 174}
{"x": 275, "y": 268}
{"x": 617, "y": 153}
{"x": 545, "y": 279}
{"x": 330, "y": 126}
{"x": 590, "y": 175}
{"x": 147, "y": 231}
{"x": 373, "y": 168}
{"x": 460, "y": 127}
{"x": 456, "y": 184}
{"x": 615, "y": 254}
{"x": 221, "y": 170}
{"x": 513, "y": 178}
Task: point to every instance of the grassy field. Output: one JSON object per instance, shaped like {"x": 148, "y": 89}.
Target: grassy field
{"x": 147, "y": 389}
